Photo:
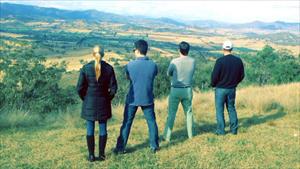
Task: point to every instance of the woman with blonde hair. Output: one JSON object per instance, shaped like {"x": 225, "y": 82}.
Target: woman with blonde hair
{"x": 96, "y": 87}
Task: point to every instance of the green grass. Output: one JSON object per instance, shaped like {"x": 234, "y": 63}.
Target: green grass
{"x": 268, "y": 137}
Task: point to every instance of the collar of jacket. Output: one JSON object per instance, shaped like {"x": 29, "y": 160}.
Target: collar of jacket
{"x": 142, "y": 58}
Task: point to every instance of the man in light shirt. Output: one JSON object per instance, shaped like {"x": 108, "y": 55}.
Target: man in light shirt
{"x": 181, "y": 70}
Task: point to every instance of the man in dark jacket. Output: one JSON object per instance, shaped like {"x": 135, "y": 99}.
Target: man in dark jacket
{"x": 141, "y": 73}
{"x": 227, "y": 74}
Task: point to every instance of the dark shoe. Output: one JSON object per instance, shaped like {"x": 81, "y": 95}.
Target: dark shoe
{"x": 91, "y": 158}
{"x": 102, "y": 145}
{"x": 118, "y": 151}
{"x": 91, "y": 147}
{"x": 101, "y": 158}
{"x": 154, "y": 150}
{"x": 234, "y": 133}
{"x": 163, "y": 139}
{"x": 219, "y": 133}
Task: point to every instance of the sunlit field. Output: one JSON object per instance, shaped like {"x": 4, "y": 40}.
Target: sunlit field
{"x": 268, "y": 136}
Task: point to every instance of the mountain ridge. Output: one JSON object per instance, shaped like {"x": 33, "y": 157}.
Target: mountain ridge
{"x": 10, "y": 10}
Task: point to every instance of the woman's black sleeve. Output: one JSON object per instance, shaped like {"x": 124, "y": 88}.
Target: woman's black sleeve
{"x": 113, "y": 85}
{"x": 82, "y": 84}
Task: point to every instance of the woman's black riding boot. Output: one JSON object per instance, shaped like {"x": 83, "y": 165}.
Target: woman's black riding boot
{"x": 91, "y": 147}
{"x": 102, "y": 144}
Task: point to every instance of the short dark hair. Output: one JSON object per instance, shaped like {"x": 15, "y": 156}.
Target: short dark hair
{"x": 141, "y": 46}
{"x": 229, "y": 50}
{"x": 184, "y": 48}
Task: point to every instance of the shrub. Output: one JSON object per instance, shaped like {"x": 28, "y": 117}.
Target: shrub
{"x": 271, "y": 67}
{"x": 29, "y": 85}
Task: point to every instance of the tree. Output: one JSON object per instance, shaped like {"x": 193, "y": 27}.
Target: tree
{"x": 263, "y": 64}
{"x": 286, "y": 69}
{"x": 28, "y": 84}
{"x": 271, "y": 67}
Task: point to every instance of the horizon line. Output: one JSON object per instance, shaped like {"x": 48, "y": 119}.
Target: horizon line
{"x": 150, "y": 17}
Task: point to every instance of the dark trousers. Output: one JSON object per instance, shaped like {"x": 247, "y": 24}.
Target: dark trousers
{"x": 129, "y": 114}
{"x": 227, "y": 97}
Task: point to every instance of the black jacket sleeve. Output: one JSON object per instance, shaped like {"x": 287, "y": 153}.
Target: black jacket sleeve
{"x": 215, "y": 74}
{"x": 113, "y": 86}
{"x": 82, "y": 84}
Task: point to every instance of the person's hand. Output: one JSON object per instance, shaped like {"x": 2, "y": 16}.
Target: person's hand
{"x": 111, "y": 97}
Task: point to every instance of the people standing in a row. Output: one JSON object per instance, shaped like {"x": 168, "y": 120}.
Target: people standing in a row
{"x": 97, "y": 86}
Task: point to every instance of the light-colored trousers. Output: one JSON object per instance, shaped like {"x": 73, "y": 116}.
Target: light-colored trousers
{"x": 185, "y": 97}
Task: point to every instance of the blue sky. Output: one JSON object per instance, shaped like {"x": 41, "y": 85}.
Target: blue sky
{"x": 221, "y": 10}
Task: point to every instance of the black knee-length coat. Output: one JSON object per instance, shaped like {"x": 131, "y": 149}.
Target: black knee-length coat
{"x": 96, "y": 96}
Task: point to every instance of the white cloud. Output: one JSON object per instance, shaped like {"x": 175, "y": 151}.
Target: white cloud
{"x": 229, "y": 11}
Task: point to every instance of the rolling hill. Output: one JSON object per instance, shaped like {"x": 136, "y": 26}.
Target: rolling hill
{"x": 9, "y": 10}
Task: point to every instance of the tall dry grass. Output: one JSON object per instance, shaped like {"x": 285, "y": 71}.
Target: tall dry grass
{"x": 268, "y": 136}
{"x": 252, "y": 101}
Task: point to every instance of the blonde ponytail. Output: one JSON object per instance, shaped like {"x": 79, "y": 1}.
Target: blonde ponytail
{"x": 97, "y": 53}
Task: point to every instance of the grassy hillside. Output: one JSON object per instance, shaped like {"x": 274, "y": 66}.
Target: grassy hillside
{"x": 268, "y": 136}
